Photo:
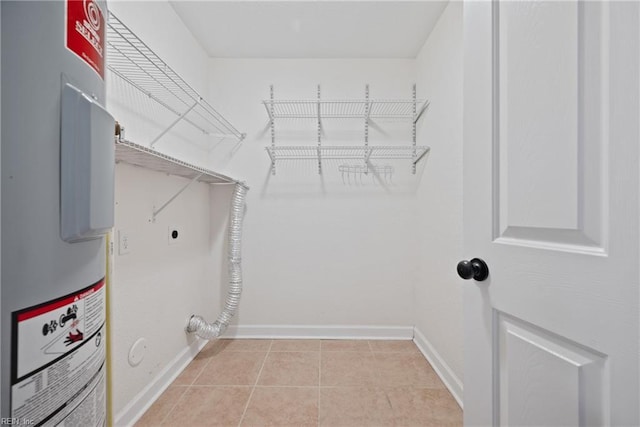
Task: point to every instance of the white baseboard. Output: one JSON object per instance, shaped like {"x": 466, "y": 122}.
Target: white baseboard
{"x": 143, "y": 400}
{"x": 320, "y": 332}
{"x": 443, "y": 370}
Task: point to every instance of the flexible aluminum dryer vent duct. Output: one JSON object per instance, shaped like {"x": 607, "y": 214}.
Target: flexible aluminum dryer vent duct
{"x": 197, "y": 324}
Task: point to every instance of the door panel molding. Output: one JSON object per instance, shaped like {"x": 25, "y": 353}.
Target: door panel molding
{"x": 553, "y": 239}
{"x": 544, "y": 378}
{"x": 563, "y": 205}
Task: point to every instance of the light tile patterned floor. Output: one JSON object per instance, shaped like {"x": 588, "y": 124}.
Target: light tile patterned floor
{"x": 306, "y": 383}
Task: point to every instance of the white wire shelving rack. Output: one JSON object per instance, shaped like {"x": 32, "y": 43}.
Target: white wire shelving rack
{"x": 366, "y": 109}
{"x": 132, "y": 60}
{"x": 353, "y": 152}
{"x": 145, "y": 157}
{"x": 344, "y": 109}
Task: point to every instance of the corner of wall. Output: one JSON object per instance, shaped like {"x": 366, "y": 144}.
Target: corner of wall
{"x": 141, "y": 402}
{"x": 442, "y": 368}
{"x": 438, "y": 292}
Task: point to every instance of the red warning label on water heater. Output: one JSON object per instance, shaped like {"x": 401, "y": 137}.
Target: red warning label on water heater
{"x": 58, "y": 360}
{"x": 85, "y": 33}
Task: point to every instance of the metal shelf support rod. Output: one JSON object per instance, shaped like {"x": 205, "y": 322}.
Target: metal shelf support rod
{"x": 367, "y": 111}
{"x": 319, "y": 135}
{"x": 424, "y": 108}
{"x": 368, "y": 152}
{"x": 273, "y": 131}
{"x": 273, "y": 159}
{"x": 175, "y": 122}
{"x": 413, "y": 126}
{"x": 415, "y": 162}
{"x": 269, "y": 108}
{"x": 168, "y": 202}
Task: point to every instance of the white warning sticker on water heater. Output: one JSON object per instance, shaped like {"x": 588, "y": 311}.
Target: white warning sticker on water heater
{"x": 58, "y": 360}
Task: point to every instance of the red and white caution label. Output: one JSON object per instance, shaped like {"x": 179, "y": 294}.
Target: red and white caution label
{"x": 58, "y": 360}
{"x": 85, "y": 32}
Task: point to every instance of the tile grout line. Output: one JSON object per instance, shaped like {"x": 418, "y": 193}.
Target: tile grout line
{"x": 209, "y": 359}
{"x": 319, "y": 379}
{"x": 251, "y": 386}
{"x": 377, "y": 375}
{"x": 187, "y": 387}
{"x": 246, "y": 406}
{"x": 380, "y": 384}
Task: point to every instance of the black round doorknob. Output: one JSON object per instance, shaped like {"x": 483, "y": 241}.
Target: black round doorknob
{"x": 476, "y": 269}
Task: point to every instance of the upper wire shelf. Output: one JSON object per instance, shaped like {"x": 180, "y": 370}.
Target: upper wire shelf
{"x": 345, "y": 109}
{"x": 132, "y": 60}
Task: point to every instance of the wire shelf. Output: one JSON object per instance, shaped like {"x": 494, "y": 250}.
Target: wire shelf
{"x": 131, "y": 59}
{"x": 348, "y": 152}
{"x": 138, "y": 155}
{"x": 345, "y": 109}
{"x": 366, "y": 169}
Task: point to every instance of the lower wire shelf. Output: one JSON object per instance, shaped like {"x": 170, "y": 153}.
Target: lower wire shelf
{"x": 366, "y": 153}
{"x": 139, "y": 155}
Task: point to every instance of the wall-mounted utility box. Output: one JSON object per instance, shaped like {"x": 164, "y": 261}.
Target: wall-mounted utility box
{"x": 87, "y": 167}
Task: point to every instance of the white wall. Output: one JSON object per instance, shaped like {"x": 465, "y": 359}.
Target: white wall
{"x": 157, "y": 286}
{"x": 438, "y": 292}
{"x": 317, "y": 251}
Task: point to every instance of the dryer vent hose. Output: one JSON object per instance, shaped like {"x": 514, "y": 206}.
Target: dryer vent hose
{"x": 197, "y": 324}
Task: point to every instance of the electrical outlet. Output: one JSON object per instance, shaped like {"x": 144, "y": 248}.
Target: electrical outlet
{"x": 124, "y": 242}
{"x": 174, "y": 234}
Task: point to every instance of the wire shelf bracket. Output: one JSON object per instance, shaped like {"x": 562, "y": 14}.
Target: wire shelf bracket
{"x": 423, "y": 109}
{"x": 367, "y": 154}
{"x": 168, "y": 202}
{"x": 144, "y": 157}
{"x": 175, "y": 122}
{"x": 134, "y": 62}
{"x": 423, "y": 152}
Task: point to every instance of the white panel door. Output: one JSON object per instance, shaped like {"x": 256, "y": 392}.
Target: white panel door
{"x": 551, "y": 143}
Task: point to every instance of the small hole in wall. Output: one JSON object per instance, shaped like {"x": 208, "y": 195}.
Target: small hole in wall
{"x": 175, "y": 233}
